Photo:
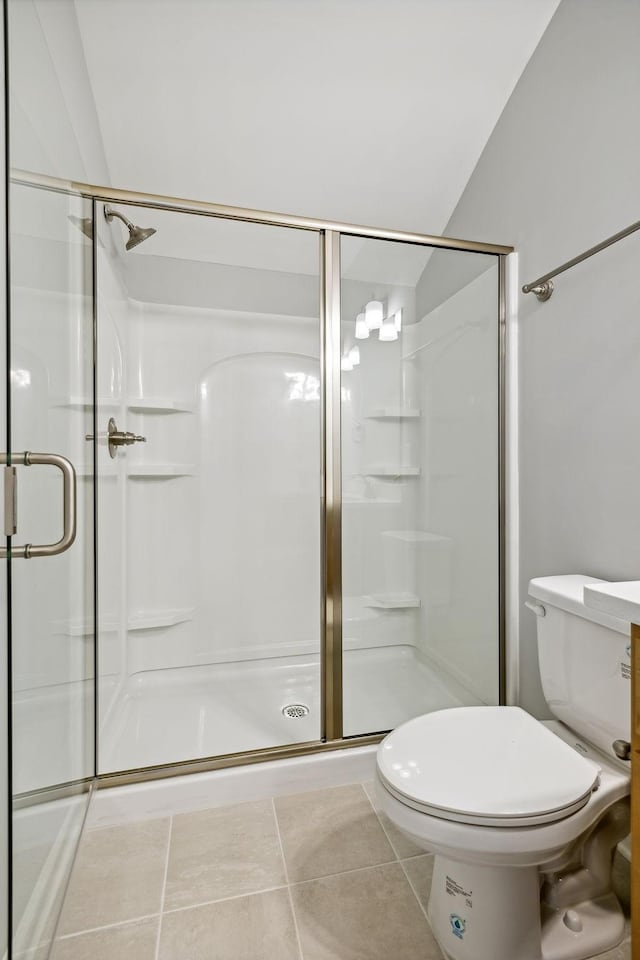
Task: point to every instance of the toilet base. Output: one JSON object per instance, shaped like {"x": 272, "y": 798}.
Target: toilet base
{"x": 494, "y": 913}
{"x": 586, "y": 929}
{"x": 485, "y": 913}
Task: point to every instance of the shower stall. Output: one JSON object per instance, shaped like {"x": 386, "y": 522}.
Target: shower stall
{"x": 287, "y": 441}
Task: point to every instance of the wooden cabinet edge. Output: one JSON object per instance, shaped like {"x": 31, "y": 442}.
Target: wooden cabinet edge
{"x": 635, "y": 790}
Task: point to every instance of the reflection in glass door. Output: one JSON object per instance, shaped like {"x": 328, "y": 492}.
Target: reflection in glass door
{"x": 209, "y": 527}
{"x": 50, "y": 397}
{"x": 420, "y": 481}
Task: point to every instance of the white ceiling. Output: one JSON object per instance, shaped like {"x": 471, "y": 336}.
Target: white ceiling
{"x": 368, "y": 111}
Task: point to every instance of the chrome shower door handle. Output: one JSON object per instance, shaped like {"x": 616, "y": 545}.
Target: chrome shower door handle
{"x": 69, "y": 497}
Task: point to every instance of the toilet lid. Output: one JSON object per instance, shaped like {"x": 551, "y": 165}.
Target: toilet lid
{"x": 496, "y": 766}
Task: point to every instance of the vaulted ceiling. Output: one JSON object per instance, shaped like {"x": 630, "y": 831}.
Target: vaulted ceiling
{"x": 369, "y": 111}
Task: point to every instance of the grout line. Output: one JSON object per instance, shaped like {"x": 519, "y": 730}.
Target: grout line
{"x": 379, "y": 819}
{"x": 414, "y": 891}
{"x": 255, "y": 893}
{"x": 345, "y": 873}
{"x": 164, "y": 889}
{"x": 286, "y": 876}
{"x": 403, "y": 860}
{"x": 108, "y": 926}
{"x": 236, "y": 896}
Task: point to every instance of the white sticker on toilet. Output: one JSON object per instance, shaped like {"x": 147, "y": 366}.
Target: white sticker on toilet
{"x": 454, "y": 889}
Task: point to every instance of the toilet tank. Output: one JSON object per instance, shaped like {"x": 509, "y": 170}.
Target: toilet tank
{"x": 585, "y": 661}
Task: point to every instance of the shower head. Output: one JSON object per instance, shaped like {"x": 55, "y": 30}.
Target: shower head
{"x": 136, "y": 234}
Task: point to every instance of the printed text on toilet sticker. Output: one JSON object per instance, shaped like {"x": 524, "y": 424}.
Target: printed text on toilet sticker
{"x": 454, "y": 889}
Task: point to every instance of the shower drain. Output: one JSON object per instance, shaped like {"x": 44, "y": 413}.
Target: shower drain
{"x": 295, "y": 710}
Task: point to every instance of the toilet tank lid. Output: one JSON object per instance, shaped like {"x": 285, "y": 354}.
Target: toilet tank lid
{"x": 567, "y": 593}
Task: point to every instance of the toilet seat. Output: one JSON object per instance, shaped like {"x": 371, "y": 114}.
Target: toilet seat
{"x": 492, "y": 766}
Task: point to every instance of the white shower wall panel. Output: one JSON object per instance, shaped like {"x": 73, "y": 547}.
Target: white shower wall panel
{"x": 171, "y": 346}
{"x": 260, "y": 505}
{"x": 228, "y": 545}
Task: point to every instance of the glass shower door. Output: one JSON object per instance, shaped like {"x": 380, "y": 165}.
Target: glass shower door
{"x": 209, "y": 528}
{"x": 50, "y": 399}
{"x": 420, "y": 481}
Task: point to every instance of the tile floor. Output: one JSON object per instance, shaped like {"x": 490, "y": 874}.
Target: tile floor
{"x": 315, "y": 876}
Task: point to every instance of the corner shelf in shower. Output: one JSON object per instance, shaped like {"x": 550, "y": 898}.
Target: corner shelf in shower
{"x": 144, "y": 620}
{"x": 394, "y": 413}
{"x": 84, "y": 471}
{"x": 143, "y": 471}
{"x": 159, "y": 405}
{"x": 369, "y": 501}
{"x": 394, "y": 471}
{"x": 160, "y": 471}
{"x": 391, "y": 601}
{"x": 82, "y": 403}
{"x": 151, "y": 619}
{"x": 83, "y": 628}
{"x": 416, "y": 536}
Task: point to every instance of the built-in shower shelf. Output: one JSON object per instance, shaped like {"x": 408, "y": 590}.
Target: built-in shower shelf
{"x": 415, "y": 536}
{"x": 136, "y": 405}
{"x": 84, "y": 471}
{"x": 159, "y": 405}
{"x": 394, "y": 413}
{"x": 84, "y": 628}
{"x": 392, "y": 470}
{"x": 392, "y": 601}
{"x": 84, "y": 403}
{"x": 144, "y": 620}
{"x": 160, "y": 471}
{"x": 152, "y": 619}
{"x": 371, "y": 501}
{"x": 146, "y": 471}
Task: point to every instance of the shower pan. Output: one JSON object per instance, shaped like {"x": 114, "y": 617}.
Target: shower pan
{"x": 287, "y": 440}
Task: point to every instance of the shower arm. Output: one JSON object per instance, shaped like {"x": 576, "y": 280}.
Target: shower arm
{"x": 110, "y": 213}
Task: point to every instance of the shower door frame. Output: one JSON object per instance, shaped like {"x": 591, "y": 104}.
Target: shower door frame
{"x": 329, "y": 234}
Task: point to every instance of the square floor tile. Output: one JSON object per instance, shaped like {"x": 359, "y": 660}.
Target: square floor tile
{"x": 621, "y": 878}
{"x": 136, "y": 941}
{"x": 420, "y": 873}
{"x": 258, "y": 927}
{"x": 622, "y": 952}
{"x": 366, "y": 915}
{"x": 330, "y": 831}
{"x": 225, "y": 852}
{"x": 625, "y": 950}
{"x": 38, "y": 953}
{"x": 118, "y": 875}
{"x": 403, "y": 846}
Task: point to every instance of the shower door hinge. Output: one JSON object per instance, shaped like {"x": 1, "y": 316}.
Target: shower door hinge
{"x": 10, "y": 502}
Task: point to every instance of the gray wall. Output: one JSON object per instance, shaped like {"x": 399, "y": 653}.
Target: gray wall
{"x": 561, "y": 172}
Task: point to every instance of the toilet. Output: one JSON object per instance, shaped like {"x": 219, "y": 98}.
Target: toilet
{"x": 523, "y": 816}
